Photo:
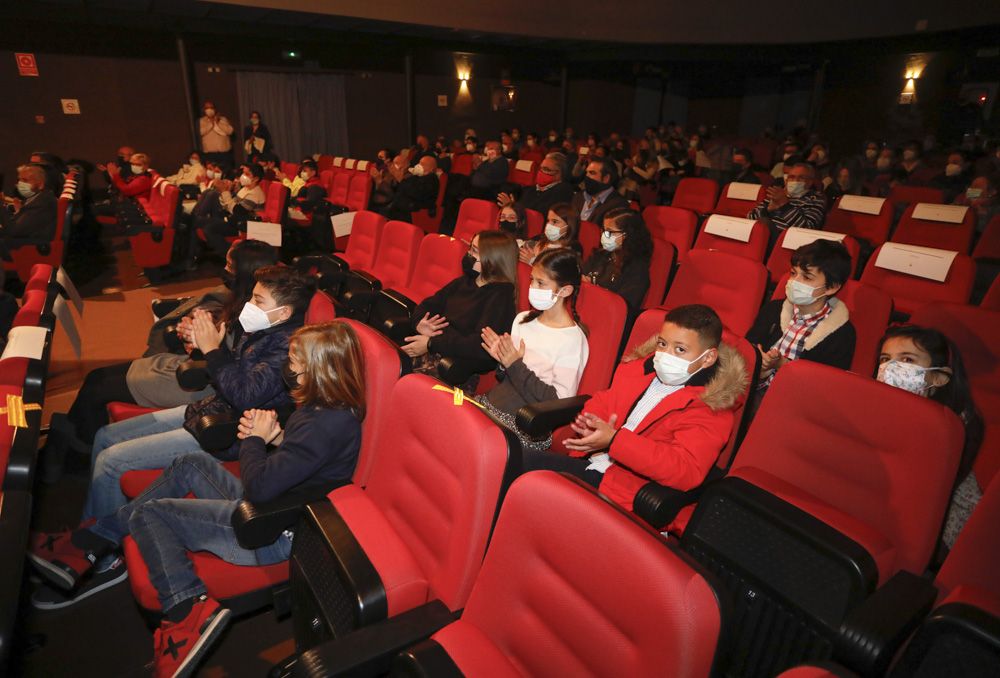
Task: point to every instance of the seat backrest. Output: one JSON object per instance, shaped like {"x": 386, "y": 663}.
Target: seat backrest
{"x": 696, "y": 194}
{"x": 523, "y": 283}
{"x": 974, "y": 560}
{"x": 382, "y": 370}
{"x": 326, "y": 178}
{"x": 675, "y": 225}
{"x": 872, "y": 228}
{"x": 324, "y": 163}
{"x": 589, "y": 237}
{"x": 910, "y": 292}
{"x": 942, "y": 235}
{"x": 363, "y": 243}
{"x": 359, "y": 192}
{"x": 660, "y": 264}
{"x": 321, "y": 308}
{"x": 461, "y": 164}
{"x": 475, "y": 215}
{"x": 870, "y": 309}
{"x": 604, "y": 313}
{"x": 874, "y": 461}
{"x": 341, "y": 187}
{"x": 754, "y": 248}
{"x": 439, "y": 261}
{"x": 534, "y": 223}
{"x": 439, "y": 485}
{"x": 276, "y": 203}
{"x": 652, "y": 611}
{"x": 906, "y": 195}
{"x": 991, "y": 301}
{"x": 290, "y": 169}
{"x": 397, "y": 254}
{"x": 522, "y": 172}
{"x": 738, "y": 207}
{"x": 988, "y": 245}
{"x": 780, "y": 260}
{"x": 731, "y": 284}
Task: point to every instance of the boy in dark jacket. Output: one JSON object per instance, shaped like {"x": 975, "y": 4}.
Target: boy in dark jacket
{"x": 809, "y": 323}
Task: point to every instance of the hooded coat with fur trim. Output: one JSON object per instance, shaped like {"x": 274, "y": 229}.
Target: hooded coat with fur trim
{"x": 678, "y": 442}
{"x": 831, "y": 342}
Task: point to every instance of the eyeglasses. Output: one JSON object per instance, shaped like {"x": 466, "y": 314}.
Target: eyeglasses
{"x": 612, "y": 234}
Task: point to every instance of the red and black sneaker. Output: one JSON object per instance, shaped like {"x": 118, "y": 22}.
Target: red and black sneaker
{"x": 58, "y": 560}
{"x": 179, "y": 647}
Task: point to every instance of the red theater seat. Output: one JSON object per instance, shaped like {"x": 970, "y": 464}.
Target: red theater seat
{"x": 935, "y": 233}
{"x": 604, "y": 313}
{"x": 340, "y": 189}
{"x": 738, "y": 207}
{"x": 152, "y": 248}
{"x": 275, "y": 204}
{"x": 908, "y": 195}
{"x": 753, "y": 248}
{"x": 674, "y": 225}
{"x": 423, "y": 218}
{"x": 660, "y": 265}
{"x": 731, "y": 284}
{"x": 535, "y": 223}
{"x": 991, "y": 301}
{"x": 608, "y": 597}
{"x": 779, "y": 263}
{"x": 910, "y": 292}
{"x": 589, "y": 237}
{"x": 522, "y": 172}
{"x": 363, "y": 243}
{"x": 393, "y": 267}
{"x": 697, "y": 195}
{"x": 359, "y": 192}
{"x": 475, "y": 215}
{"x": 25, "y": 256}
{"x": 871, "y": 228}
{"x": 462, "y": 164}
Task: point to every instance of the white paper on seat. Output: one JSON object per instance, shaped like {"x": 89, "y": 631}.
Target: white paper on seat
{"x": 342, "y": 224}
{"x": 338, "y": 162}
{"x": 740, "y": 191}
{"x": 523, "y": 165}
{"x": 862, "y": 204}
{"x": 349, "y": 163}
{"x": 923, "y": 262}
{"x": 266, "y": 231}
{"x": 25, "y": 342}
{"x": 62, "y": 277}
{"x": 733, "y": 228}
{"x": 362, "y": 165}
{"x": 949, "y": 214}
{"x": 65, "y": 318}
{"x": 796, "y": 237}
{"x": 188, "y": 206}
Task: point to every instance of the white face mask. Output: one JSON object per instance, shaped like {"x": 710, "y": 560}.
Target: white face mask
{"x": 909, "y": 154}
{"x": 907, "y": 376}
{"x": 254, "y": 319}
{"x": 210, "y": 112}
{"x": 417, "y": 170}
{"x": 952, "y": 169}
{"x": 673, "y": 370}
{"x": 540, "y": 299}
{"x": 25, "y": 189}
{"x": 245, "y": 180}
{"x": 693, "y": 143}
{"x": 137, "y": 169}
{"x": 870, "y": 153}
{"x": 470, "y": 148}
{"x": 213, "y": 175}
{"x": 820, "y": 155}
{"x": 553, "y": 232}
{"x": 799, "y": 293}
{"x": 786, "y": 156}
{"x": 506, "y": 148}
{"x": 795, "y": 189}
{"x": 194, "y": 161}
{"x": 609, "y": 242}
{"x": 304, "y": 175}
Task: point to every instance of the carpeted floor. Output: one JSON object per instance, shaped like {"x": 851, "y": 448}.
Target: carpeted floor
{"x": 106, "y": 635}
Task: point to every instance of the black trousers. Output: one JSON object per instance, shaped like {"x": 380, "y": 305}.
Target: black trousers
{"x": 561, "y": 463}
{"x": 101, "y": 386}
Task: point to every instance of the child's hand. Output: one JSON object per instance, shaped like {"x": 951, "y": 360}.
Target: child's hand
{"x": 594, "y": 434}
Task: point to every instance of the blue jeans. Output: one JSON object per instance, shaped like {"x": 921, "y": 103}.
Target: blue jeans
{"x": 151, "y": 441}
{"x": 166, "y": 526}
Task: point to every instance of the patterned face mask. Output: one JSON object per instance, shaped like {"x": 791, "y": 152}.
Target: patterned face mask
{"x": 907, "y": 376}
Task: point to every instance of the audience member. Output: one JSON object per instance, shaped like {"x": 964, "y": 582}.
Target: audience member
{"x": 511, "y": 219}
{"x": 666, "y": 417}
{"x": 312, "y": 194}
{"x": 215, "y": 136}
{"x": 790, "y": 149}
{"x": 956, "y": 177}
{"x": 256, "y": 138}
{"x": 550, "y": 186}
{"x": 221, "y": 214}
{"x": 981, "y": 196}
{"x": 911, "y": 170}
{"x": 30, "y": 218}
{"x": 743, "y": 170}
{"x": 843, "y": 182}
{"x": 622, "y": 263}
{"x": 819, "y": 158}
{"x": 191, "y": 174}
{"x": 795, "y": 203}
{"x": 421, "y": 149}
{"x": 598, "y": 197}
{"x": 562, "y": 225}
{"x": 489, "y": 173}
{"x": 137, "y": 182}
{"x": 417, "y": 191}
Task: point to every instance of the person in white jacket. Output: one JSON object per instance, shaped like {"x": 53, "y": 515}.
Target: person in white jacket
{"x": 216, "y": 131}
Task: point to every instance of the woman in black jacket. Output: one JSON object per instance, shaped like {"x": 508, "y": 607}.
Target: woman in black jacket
{"x": 256, "y": 138}
{"x": 622, "y": 263}
{"x": 449, "y": 324}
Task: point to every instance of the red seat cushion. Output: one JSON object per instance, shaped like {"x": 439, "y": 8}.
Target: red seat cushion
{"x": 118, "y": 411}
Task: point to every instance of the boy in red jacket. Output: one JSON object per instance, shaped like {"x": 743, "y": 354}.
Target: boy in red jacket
{"x": 666, "y": 417}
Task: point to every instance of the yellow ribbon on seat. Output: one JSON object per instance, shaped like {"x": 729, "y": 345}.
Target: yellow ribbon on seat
{"x": 457, "y": 395}
{"x": 16, "y": 408}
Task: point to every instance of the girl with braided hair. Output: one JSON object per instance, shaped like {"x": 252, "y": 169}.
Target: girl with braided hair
{"x": 543, "y": 355}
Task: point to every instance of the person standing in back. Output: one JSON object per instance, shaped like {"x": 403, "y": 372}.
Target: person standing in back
{"x": 216, "y": 131}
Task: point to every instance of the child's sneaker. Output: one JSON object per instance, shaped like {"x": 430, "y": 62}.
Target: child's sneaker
{"x": 179, "y": 647}
{"x": 58, "y": 560}
{"x": 48, "y": 597}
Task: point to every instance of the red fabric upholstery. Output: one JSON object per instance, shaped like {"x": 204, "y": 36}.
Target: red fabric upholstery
{"x": 535, "y": 223}
{"x": 752, "y": 249}
{"x": 275, "y": 203}
{"x": 870, "y": 309}
{"x": 975, "y": 559}
{"x": 731, "y": 284}
{"x": 523, "y": 283}
{"x": 988, "y": 246}
{"x": 676, "y": 226}
{"x": 321, "y": 309}
{"x": 423, "y": 218}
{"x": 39, "y": 277}
{"x": 122, "y": 411}
{"x": 26, "y": 257}
{"x": 909, "y": 292}
{"x": 697, "y": 195}
{"x": 435, "y": 487}
{"x": 359, "y": 192}
{"x": 291, "y": 169}
{"x": 32, "y": 305}
{"x": 397, "y": 254}
{"x": 603, "y": 312}
{"x": 605, "y": 597}
{"x": 439, "y": 261}
{"x": 162, "y": 210}
{"x": 733, "y": 207}
{"x": 991, "y": 301}
{"x": 877, "y": 462}
{"x": 943, "y": 236}
{"x": 475, "y": 215}
{"x": 340, "y": 188}
{"x": 976, "y": 333}
{"x": 589, "y": 237}
{"x": 873, "y": 228}
{"x": 780, "y": 260}
{"x": 222, "y": 579}
{"x": 907, "y": 195}
{"x": 363, "y": 243}
{"x": 817, "y": 671}
{"x": 662, "y": 262}
{"x": 462, "y": 164}
{"x": 522, "y": 177}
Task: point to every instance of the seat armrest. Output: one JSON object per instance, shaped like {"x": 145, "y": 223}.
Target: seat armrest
{"x": 541, "y": 419}
{"x": 215, "y": 432}
{"x": 193, "y": 375}
{"x": 658, "y": 504}
{"x": 394, "y": 310}
{"x": 872, "y": 633}
{"x": 370, "y": 650}
{"x": 260, "y": 524}
{"x": 457, "y": 371}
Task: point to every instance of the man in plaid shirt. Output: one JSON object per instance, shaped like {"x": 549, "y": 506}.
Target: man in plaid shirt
{"x": 794, "y": 204}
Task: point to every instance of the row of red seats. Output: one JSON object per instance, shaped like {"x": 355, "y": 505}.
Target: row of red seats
{"x": 50, "y": 253}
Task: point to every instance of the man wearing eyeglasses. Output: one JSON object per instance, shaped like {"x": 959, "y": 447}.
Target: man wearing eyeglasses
{"x": 551, "y": 187}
